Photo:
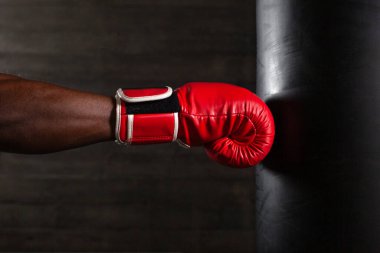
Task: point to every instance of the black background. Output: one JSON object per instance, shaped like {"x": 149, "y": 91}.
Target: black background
{"x": 106, "y": 197}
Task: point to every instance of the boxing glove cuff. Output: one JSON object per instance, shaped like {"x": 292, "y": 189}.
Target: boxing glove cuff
{"x": 145, "y": 116}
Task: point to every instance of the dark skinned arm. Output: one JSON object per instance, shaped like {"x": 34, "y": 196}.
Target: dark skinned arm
{"x": 38, "y": 117}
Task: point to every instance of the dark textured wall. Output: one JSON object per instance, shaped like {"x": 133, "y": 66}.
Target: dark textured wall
{"x": 106, "y": 197}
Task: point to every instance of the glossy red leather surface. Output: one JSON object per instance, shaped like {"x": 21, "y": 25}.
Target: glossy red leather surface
{"x": 153, "y": 128}
{"x": 236, "y": 127}
{"x": 144, "y": 92}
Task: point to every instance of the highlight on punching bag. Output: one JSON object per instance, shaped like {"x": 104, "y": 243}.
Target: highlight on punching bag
{"x": 318, "y": 70}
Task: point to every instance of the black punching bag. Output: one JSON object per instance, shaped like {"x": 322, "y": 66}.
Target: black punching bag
{"x": 319, "y": 71}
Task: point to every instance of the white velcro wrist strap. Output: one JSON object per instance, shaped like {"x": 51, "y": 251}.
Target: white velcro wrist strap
{"x": 146, "y": 116}
{"x": 118, "y": 120}
{"x": 147, "y": 98}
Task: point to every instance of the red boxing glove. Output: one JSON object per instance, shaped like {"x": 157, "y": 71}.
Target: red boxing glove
{"x": 234, "y": 125}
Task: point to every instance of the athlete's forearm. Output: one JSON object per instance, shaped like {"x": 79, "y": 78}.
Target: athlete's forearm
{"x": 37, "y": 117}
